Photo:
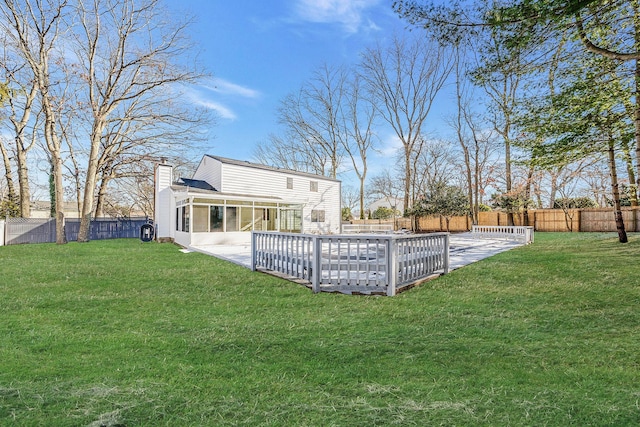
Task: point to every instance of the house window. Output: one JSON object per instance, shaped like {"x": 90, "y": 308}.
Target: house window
{"x": 232, "y": 218}
{"x": 216, "y": 214}
{"x": 313, "y": 187}
{"x": 291, "y": 219}
{"x": 290, "y": 183}
{"x": 317, "y": 216}
{"x": 185, "y": 219}
{"x": 182, "y": 219}
{"x": 200, "y": 218}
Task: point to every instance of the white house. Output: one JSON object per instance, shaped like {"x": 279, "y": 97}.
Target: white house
{"x": 388, "y": 202}
{"x": 226, "y": 199}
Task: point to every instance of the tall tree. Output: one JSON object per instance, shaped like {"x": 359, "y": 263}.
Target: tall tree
{"x": 499, "y": 74}
{"x": 34, "y": 27}
{"x": 126, "y": 52}
{"x": 586, "y": 116}
{"x": 359, "y": 123}
{"x": 314, "y": 118}
{"x": 608, "y": 29}
{"x": 21, "y": 97}
{"x": 404, "y": 79}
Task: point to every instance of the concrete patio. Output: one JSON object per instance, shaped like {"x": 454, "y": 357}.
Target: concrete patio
{"x": 464, "y": 249}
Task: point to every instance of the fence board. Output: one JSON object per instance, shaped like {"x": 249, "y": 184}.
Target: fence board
{"x": 30, "y": 230}
{"x": 36, "y": 230}
{"x": 573, "y": 220}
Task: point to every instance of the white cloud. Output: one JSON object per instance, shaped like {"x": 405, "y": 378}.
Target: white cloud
{"x": 226, "y": 87}
{"x": 390, "y": 146}
{"x": 346, "y": 12}
{"x": 204, "y": 100}
{"x": 217, "y": 93}
{"x": 223, "y": 111}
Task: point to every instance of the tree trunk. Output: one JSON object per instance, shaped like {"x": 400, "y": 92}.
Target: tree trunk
{"x": 105, "y": 178}
{"x": 61, "y": 237}
{"x": 507, "y": 158}
{"x": 90, "y": 187}
{"x": 362, "y": 198}
{"x": 23, "y": 183}
{"x": 407, "y": 178}
{"x": 527, "y": 195}
{"x": 633, "y": 187}
{"x": 636, "y": 115}
{"x": 8, "y": 175}
{"x": 53, "y": 143}
{"x": 622, "y": 234}
{"x": 19, "y": 126}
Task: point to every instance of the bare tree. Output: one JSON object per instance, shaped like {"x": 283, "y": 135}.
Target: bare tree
{"x": 359, "y": 123}
{"x": 20, "y": 102}
{"x": 350, "y": 199}
{"x": 433, "y": 165}
{"x": 286, "y": 152}
{"x": 404, "y": 79}
{"x": 314, "y": 119}
{"x": 385, "y": 186}
{"x": 126, "y": 51}
{"x": 33, "y": 27}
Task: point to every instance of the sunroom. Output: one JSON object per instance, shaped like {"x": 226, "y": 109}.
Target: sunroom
{"x": 229, "y": 219}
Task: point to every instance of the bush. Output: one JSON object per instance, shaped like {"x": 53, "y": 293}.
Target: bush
{"x": 574, "y": 203}
{"x": 384, "y": 212}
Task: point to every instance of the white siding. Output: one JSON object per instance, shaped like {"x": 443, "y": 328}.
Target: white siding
{"x": 164, "y": 215}
{"x": 261, "y": 182}
{"x": 210, "y": 170}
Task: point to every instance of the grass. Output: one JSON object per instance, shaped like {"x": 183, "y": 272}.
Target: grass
{"x": 117, "y": 333}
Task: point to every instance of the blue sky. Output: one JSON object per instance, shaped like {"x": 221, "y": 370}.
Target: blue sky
{"x": 259, "y": 51}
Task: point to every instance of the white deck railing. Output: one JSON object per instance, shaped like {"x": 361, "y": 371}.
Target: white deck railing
{"x": 371, "y": 264}
{"x": 520, "y": 233}
{"x": 367, "y": 228}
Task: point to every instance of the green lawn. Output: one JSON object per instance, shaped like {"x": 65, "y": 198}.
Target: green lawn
{"x": 124, "y": 333}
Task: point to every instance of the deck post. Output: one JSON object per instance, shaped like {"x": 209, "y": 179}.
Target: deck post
{"x": 253, "y": 251}
{"x": 446, "y": 254}
{"x": 316, "y": 264}
{"x": 392, "y": 266}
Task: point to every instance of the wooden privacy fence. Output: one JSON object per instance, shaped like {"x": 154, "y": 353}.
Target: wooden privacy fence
{"x": 355, "y": 264}
{"x": 575, "y": 220}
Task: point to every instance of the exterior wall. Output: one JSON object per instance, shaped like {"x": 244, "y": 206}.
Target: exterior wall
{"x": 210, "y": 170}
{"x": 244, "y": 180}
{"x": 229, "y": 238}
{"x": 182, "y": 238}
{"x": 164, "y": 212}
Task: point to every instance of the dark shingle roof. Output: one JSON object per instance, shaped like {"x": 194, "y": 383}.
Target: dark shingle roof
{"x": 196, "y": 183}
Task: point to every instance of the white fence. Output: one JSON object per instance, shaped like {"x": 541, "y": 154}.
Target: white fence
{"x": 367, "y": 228}
{"x": 1, "y": 232}
{"x": 357, "y": 264}
{"x": 520, "y": 233}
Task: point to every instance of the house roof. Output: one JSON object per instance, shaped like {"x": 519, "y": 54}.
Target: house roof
{"x": 217, "y": 194}
{"x": 271, "y": 168}
{"x": 196, "y": 183}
